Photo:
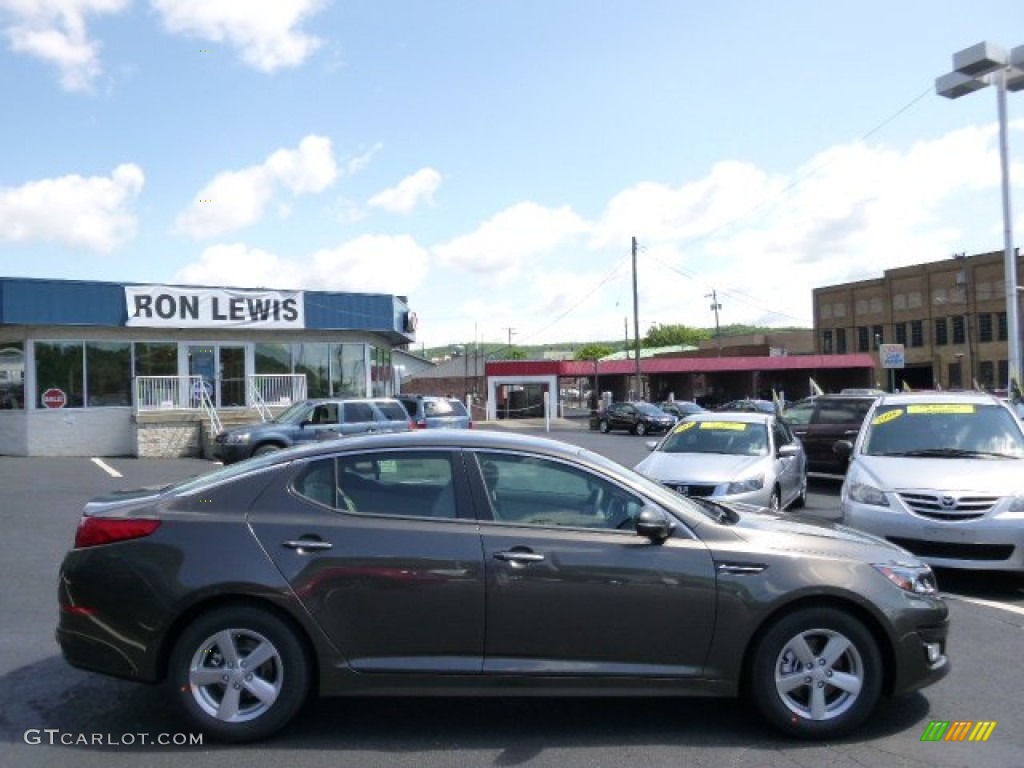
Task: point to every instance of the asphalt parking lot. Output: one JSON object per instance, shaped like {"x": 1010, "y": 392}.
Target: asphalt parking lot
{"x": 53, "y": 715}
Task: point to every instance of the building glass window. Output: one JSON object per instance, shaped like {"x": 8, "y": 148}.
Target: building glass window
{"x": 826, "y": 342}
{"x": 899, "y": 301}
{"x": 876, "y": 305}
{"x": 916, "y": 333}
{"x": 108, "y": 366}
{"x": 348, "y": 369}
{"x": 985, "y": 327}
{"x": 60, "y": 365}
{"x": 380, "y": 372}
{"x": 863, "y": 344}
{"x": 987, "y": 374}
{"x": 1001, "y": 328}
{"x": 156, "y": 358}
{"x": 314, "y": 360}
{"x": 959, "y": 336}
{"x": 1004, "y": 374}
{"x": 12, "y": 375}
{"x": 900, "y": 332}
{"x": 272, "y": 358}
{"x": 840, "y": 341}
{"x": 877, "y": 337}
{"x": 941, "y": 332}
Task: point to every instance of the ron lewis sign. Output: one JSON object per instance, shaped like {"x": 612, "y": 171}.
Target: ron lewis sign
{"x": 164, "y": 306}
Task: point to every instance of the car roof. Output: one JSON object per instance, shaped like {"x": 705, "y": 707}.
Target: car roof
{"x": 943, "y": 396}
{"x": 744, "y": 417}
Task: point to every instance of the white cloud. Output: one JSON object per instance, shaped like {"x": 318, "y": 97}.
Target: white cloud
{"x": 511, "y": 238}
{"x": 235, "y": 199}
{"x": 410, "y": 192}
{"x": 360, "y": 162}
{"x": 240, "y": 266}
{"x": 369, "y": 264}
{"x": 266, "y": 33}
{"x": 92, "y": 213}
{"x": 55, "y": 31}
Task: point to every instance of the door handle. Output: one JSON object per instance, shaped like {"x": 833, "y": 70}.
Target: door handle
{"x": 303, "y": 546}
{"x": 518, "y": 558}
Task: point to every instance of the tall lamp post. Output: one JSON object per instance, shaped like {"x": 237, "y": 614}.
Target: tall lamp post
{"x": 973, "y": 69}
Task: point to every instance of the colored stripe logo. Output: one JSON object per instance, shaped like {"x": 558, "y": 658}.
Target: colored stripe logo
{"x": 958, "y": 730}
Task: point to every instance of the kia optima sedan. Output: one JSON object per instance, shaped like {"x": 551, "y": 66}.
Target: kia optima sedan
{"x": 746, "y": 457}
{"x": 484, "y": 563}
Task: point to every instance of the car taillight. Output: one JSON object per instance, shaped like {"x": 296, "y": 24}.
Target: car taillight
{"x": 471, "y": 425}
{"x": 421, "y": 424}
{"x": 93, "y": 531}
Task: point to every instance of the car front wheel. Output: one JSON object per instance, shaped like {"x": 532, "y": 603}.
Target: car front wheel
{"x": 603, "y": 427}
{"x": 641, "y": 429}
{"x": 263, "y": 450}
{"x": 816, "y": 673}
{"x": 239, "y": 673}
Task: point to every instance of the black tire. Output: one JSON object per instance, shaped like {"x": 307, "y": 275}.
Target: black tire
{"x": 775, "y": 501}
{"x": 603, "y": 427}
{"x": 641, "y": 429}
{"x": 815, "y": 707}
{"x": 266, "y": 448}
{"x": 201, "y": 669}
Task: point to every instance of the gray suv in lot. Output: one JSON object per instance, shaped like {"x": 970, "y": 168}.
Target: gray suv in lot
{"x": 819, "y": 422}
{"x": 311, "y": 420}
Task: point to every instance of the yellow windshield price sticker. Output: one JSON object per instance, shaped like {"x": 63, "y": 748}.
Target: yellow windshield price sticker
{"x": 685, "y": 425}
{"x": 732, "y": 426}
{"x": 941, "y": 408}
{"x": 886, "y": 417}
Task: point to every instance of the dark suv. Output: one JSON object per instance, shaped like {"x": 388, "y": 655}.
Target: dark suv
{"x": 430, "y": 412}
{"x": 820, "y": 421}
{"x": 311, "y": 420}
{"x": 638, "y": 418}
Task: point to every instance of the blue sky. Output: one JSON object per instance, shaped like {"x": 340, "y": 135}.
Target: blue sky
{"x": 492, "y": 160}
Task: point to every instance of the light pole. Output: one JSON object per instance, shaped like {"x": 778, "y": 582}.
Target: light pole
{"x": 973, "y": 69}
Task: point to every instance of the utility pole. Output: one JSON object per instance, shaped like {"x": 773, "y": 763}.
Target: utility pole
{"x": 715, "y": 306}
{"x": 636, "y": 327}
{"x": 511, "y": 331}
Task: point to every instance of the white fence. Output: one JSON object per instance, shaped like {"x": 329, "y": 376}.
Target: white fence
{"x": 153, "y": 393}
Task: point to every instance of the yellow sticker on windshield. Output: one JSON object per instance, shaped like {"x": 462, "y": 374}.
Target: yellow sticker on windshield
{"x": 685, "y": 425}
{"x": 733, "y": 426}
{"x": 886, "y": 417}
{"x": 941, "y": 408}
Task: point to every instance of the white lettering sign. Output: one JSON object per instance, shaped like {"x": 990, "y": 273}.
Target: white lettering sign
{"x": 164, "y": 306}
{"x": 892, "y": 355}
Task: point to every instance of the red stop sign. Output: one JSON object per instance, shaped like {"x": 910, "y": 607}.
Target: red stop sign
{"x": 54, "y": 398}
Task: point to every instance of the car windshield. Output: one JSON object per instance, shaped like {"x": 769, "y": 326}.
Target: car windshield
{"x": 944, "y": 430}
{"x": 731, "y": 437}
{"x": 296, "y": 414}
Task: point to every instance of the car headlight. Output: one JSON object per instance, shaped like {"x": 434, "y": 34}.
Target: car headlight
{"x": 863, "y": 493}
{"x": 918, "y": 579}
{"x": 746, "y": 486}
{"x": 238, "y": 438}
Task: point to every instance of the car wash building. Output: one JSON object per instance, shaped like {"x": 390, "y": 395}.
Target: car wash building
{"x": 108, "y": 369}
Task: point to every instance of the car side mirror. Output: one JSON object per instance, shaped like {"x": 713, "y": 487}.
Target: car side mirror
{"x": 842, "y": 448}
{"x": 788, "y": 450}
{"x": 651, "y": 444}
{"x": 653, "y": 524}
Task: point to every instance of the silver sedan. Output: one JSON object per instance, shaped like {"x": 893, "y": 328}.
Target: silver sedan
{"x": 752, "y": 458}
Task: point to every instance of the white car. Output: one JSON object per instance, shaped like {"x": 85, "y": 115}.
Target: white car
{"x": 941, "y": 475}
{"x": 738, "y": 457}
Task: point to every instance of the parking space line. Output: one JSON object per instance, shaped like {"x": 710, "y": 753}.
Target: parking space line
{"x": 987, "y": 603}
{"x": 106, "y": 468}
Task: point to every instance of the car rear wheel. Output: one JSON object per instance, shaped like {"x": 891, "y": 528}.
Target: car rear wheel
{"x": 775, "y": 501}
{"x": 641, "y": 429}
{"x": 816, "y": 673}
{"x": 801, "y": 498}
{"x": 239, "y": 673}
{"x": 263, "y": 450}
{"x": 603, "y": 426}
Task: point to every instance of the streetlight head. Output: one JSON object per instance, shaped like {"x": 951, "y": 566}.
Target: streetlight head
{"x": 954, "y": 85}
{"x": 1015, "y": 79}
{"x": 980, "y": 59}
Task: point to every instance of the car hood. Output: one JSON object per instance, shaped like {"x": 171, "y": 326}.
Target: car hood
{"x": 698, "y": 467}
{"x": 804, "y": 535}
{"x": 989, "y": 476}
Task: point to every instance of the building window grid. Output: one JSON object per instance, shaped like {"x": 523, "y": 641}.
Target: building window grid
{"x": 959, "y": 330}
{"x": 916, "y": 333}
{"x": 840, "y": 341}
{"x": 900, "y": 333}
{"x": 941, "y": 332}
{"x": 985, "y": 327}
{"x": 863, "y": 342}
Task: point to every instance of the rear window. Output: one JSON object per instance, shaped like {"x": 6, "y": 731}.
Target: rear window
{"x": 842, "y": 412}
{"x": 357, "y": 413}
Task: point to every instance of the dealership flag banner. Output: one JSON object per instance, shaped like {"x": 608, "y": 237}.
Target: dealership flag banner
{"x": 165, "y": 306}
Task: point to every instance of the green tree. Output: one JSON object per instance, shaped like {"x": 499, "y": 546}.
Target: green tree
{"x": 514, "y": 353}
{"x": 592, "y": 351}
{"x": 673, "y": 334}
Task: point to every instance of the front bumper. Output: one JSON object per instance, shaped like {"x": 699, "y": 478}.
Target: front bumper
{"x": 993, "y": 542}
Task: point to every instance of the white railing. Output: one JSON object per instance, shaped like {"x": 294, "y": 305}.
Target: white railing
{"x": 208, "y": 408}
{"x": 154, "y": 393}
{"x": 277, "y": 389}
